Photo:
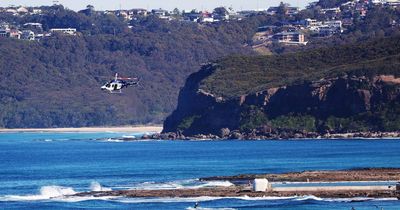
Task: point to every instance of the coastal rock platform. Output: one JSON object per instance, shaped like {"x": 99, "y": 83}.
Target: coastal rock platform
{"x": 242, "y": 187}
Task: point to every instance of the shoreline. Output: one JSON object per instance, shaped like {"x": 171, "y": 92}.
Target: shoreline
{"x": 236, "y": 135}
{"x": 122, "y": 129}
{"x": 245, "y": 186}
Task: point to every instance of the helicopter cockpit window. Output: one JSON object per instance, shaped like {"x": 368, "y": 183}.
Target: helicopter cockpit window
{"x": 108, "y": 85}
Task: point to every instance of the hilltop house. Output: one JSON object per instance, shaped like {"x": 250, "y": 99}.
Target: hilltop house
{"x": 67, "y": 31}
{"x": 36, "y": 27}
{"x": 138, "y": 12}
{"x": 14, "y": 33}
{"x": 12, "y": 11}
{"x": 22, "y": 10}
{"x": 290, "y": 38}
{"x": 160, "y": 13}
{"x": 288, "y": 10}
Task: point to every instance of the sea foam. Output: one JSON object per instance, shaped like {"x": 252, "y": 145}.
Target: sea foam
{"x": 182, "y": 184}
{"x": 45, "y": 193}
{"x": 96, "y": 187}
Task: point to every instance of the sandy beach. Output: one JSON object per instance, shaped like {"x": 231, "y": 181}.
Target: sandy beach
{"x": 155, "y": 128}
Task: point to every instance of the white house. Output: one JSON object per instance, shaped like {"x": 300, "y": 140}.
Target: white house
{"x": 68, "y": 31}
{"x": 22, "y": 10}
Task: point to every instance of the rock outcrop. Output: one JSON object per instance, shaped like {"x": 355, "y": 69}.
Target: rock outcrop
{"x": 199, "y": 112}
{"x": 344, "y": 89}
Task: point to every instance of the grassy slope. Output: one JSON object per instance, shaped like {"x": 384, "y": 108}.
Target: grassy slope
{"x": 240, "y": 75}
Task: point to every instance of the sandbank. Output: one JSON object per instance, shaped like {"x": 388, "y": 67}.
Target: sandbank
{"x": 136, "y": 129}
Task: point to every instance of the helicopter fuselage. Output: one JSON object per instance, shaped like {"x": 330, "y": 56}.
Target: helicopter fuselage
{"x": 113, "y": 86}
{"x": 116, "y": 85}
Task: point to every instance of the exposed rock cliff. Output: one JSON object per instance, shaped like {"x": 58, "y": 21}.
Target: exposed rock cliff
{"x": 361, "y": 94}
{"x": 342, "y": 97}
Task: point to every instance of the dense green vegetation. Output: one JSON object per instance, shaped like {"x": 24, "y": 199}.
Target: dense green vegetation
{"x": 56, "y": 82}
{"x": 238, "y": 75}
{"x": 235, "y": 76}
{"x": 252, "y": 117}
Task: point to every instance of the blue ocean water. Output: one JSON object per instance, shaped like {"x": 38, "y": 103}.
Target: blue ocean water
{"x": 37, "y": 169}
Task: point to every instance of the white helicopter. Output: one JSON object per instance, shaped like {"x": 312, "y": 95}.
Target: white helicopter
{"x": 118, "y": 83}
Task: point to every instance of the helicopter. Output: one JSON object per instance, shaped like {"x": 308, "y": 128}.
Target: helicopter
{"x": 118, "y": 83}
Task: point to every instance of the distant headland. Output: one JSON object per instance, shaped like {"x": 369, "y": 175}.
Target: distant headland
{"x": 152, "y": 128}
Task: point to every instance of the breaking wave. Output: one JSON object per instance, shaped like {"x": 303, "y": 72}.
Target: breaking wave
{"x": 96, "y": 187}
{"x": 45, "y": 193}
{"x": 184, "y": 184}
{"x": 67, "y": 194}
{"x": 59, "y": 193}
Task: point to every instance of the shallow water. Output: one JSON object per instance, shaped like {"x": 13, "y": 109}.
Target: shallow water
{"x": 40, "y": 170}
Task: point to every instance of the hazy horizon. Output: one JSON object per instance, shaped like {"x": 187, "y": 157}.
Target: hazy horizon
{"x": 152, "y": 4}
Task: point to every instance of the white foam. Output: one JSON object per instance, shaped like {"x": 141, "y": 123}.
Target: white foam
{"x": 183, "y": 184}
{"x": 60, "y": 194}
{"x": 129, "y": 136}
{"x": 309, "y": 197}
{"x": 96, "y": 187}
{"x": 46, "y": 192}
{"x": 170, "y": 200}
{"x": 216, "y": 184}
{"x": 114, "y": 140}
{"x": 197, "y": 208}
{"x": 265, "y": 198}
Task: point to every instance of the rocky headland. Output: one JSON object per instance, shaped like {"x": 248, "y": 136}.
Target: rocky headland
{"x": 342, "y": 92}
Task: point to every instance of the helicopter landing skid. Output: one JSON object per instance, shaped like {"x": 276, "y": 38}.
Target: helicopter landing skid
{"x": 116, "y": 92}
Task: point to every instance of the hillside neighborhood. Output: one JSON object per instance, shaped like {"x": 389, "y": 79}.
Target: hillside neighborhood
{"x": 296, "y": 30}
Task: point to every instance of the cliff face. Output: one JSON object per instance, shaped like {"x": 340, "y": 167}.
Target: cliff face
{"x": 352, "y": 88}
{"x": 326, "y": 104}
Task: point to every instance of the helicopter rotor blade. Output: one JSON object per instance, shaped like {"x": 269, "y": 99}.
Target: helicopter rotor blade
{"x": 128, "y": 78}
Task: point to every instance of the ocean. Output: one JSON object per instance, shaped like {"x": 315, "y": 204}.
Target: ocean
{"x": 40, "y": 170}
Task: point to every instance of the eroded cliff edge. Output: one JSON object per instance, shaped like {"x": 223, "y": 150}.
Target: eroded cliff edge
{"x": 335, "y": 90}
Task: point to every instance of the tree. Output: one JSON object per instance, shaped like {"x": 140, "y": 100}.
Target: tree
{"x": 176, "y": 11}
{"x": 282, "y": 9}
{"x": 222, "y": 11}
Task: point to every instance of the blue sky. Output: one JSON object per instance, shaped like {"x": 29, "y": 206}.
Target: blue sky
{"x": 150, "y": 4}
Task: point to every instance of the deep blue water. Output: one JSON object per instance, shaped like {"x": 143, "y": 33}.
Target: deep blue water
{"x": 37, "y": 166}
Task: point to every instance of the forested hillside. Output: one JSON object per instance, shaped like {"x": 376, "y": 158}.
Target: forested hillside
{"x": 56, "y": 82}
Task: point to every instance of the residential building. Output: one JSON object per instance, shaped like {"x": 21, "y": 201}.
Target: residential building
{"x": 337, "y": 24}
{"x": 393, "y": 3}
{"x": 292, "y": 10}
{"x": 68, "y": 31}
{"x": 290, "y": 38}
{"x": 22, "y": 10}
{"x": 4, "y": 32}
{"x": 160, "y": 13}
{"x": 36, "y": 11}
{"x": 14, "y": 33}
{"x": 288, "y": 10}
{"x": 37, "y": 26}
{"x": 248, "y": 13}
{"x": 207, "y": 17}
{"x": 138, "y": 12}
{"x": 192, "y": 16}
{"x": 347, "y": 21}
{"x": 312, "y": 22}
{"x": 4, "y": 25}
{"x": 331, "y": 10}
{"x": 28, "y": 35}
{"x": 12, "y": 11}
